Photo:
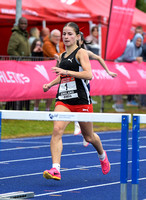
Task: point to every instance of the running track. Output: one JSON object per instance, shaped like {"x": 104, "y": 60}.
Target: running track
{"x": 22, "y": 162}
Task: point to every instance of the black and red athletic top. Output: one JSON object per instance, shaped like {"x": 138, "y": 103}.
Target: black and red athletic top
{"x": 72, "y": 91}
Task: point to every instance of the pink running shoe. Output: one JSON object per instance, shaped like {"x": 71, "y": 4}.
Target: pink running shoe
{"x": 52, "y": 174}
{"x": 85, "y": 143}
{"x": 105, "y": 165}
{"x": 77, "y": 130}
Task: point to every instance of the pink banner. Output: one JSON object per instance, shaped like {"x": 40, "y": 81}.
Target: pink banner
{"x": 24, "y": 80}
{"x": 120, "y": 22}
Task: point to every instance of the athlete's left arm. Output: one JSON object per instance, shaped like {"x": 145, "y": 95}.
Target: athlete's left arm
{"x": 101, "y": 61}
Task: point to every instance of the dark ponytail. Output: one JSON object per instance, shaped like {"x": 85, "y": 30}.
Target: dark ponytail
{"x": 74, "y": 26}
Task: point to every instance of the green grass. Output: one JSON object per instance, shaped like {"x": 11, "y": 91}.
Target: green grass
{"x": 21, "y": 128}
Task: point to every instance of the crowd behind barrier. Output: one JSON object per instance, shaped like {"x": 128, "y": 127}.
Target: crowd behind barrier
{"x": 46, "y": 45}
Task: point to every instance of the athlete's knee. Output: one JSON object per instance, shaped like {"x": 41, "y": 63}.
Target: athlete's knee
{"x": 58, "y": 131}
{"x": 91, "y": 138}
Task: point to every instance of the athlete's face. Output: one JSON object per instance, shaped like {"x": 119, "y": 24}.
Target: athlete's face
{"x": 69, "y": 36}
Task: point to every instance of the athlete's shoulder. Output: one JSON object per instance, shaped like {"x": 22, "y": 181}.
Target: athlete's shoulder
{"x": 82, "y": 51}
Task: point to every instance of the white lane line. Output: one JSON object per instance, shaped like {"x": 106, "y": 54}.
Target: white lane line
{"x": 48, "y": 157}
{"x": 84, "y": 188}
{"x": 76, "y": 189}
{"x": 43, "y": 146}
{"x": 64, "y": 170}
{"x": 45, "y": 157}
{"x": 33, "y": 174}
{"x": 38, "y": 146}
{"x": 49, "y": 136}
{"x": 73, "y": 143}
{"x": 63, "y": 155}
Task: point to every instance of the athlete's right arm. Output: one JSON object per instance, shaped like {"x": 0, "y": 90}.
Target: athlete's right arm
{"x": 56, "y": 81}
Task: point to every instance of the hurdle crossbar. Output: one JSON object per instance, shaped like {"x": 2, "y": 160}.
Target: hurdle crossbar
{"x": 63, "y": 116}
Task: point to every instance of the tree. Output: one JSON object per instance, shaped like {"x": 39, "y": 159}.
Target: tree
{"x": 141, "y": 4}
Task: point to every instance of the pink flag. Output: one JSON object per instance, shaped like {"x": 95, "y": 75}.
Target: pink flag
{"x": 120, "y": 20}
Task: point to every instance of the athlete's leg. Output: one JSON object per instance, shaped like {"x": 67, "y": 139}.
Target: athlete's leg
{"x": 90, "y": 136}
{"x": 56, "y": 146}
{"x": 56, "y": 140}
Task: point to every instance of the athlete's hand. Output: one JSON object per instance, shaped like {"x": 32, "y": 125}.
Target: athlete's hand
{"x": 59, "y": 71}
{"x": 112, "y": 74}
{"x": 46, "y": 87}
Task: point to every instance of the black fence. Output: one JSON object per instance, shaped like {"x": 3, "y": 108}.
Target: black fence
{"x": 25, "y": 58}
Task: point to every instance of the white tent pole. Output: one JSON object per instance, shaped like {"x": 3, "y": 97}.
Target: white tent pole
{"x": 18, "y": 11}
{"x": 100, "y": 54}
{"x": 100, "y": 39}
{"x": 90, "y": 25}
{"x": 44, "y": 23}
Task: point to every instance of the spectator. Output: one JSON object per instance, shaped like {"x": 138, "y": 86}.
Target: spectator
{"x": 133, "y": 50}
{"x": 36, "y": 49}
{"x": 53, "y": 46}
{"x": 34, "y": 34}
{"x": 37, "y": 53}
{"x": 92, "y": 40}
{"x": 118, "y": 103}
{"x": 138, "y": 29}
{"x": 143, "y": 96}
{"x": 19, "y": 46}
{"x": 132, "y": 53}
{"x": 144, "y": 52}
{"x": 44, "y": 32}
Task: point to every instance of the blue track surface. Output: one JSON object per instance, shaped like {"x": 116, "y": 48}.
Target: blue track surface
{"x": 22, "y": 162}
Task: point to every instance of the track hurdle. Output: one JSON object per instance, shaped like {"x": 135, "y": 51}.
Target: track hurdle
{"x": 0, "y": 126}
{"x": 124, "y": 157}
{"x": 84, "y": 117}
{"x": 137, "y": 120}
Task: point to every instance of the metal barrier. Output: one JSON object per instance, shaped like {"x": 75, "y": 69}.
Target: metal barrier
{"x": 25, "y": 58}
{"x": 16, "y": 105}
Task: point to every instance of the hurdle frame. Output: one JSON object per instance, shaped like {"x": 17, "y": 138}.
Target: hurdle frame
{"x": 124, "y": 157}
{"x": 0, "y": 126}
{"x": 137, "y": 120}
{"x": 124, "y": 119}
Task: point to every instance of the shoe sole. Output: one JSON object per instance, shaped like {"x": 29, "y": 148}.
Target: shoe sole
{"x": 78, "y": 133}
{"x": 49, "y": 176}
{"x": 85, "y": 144}
{"x": 109, "y": 169}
